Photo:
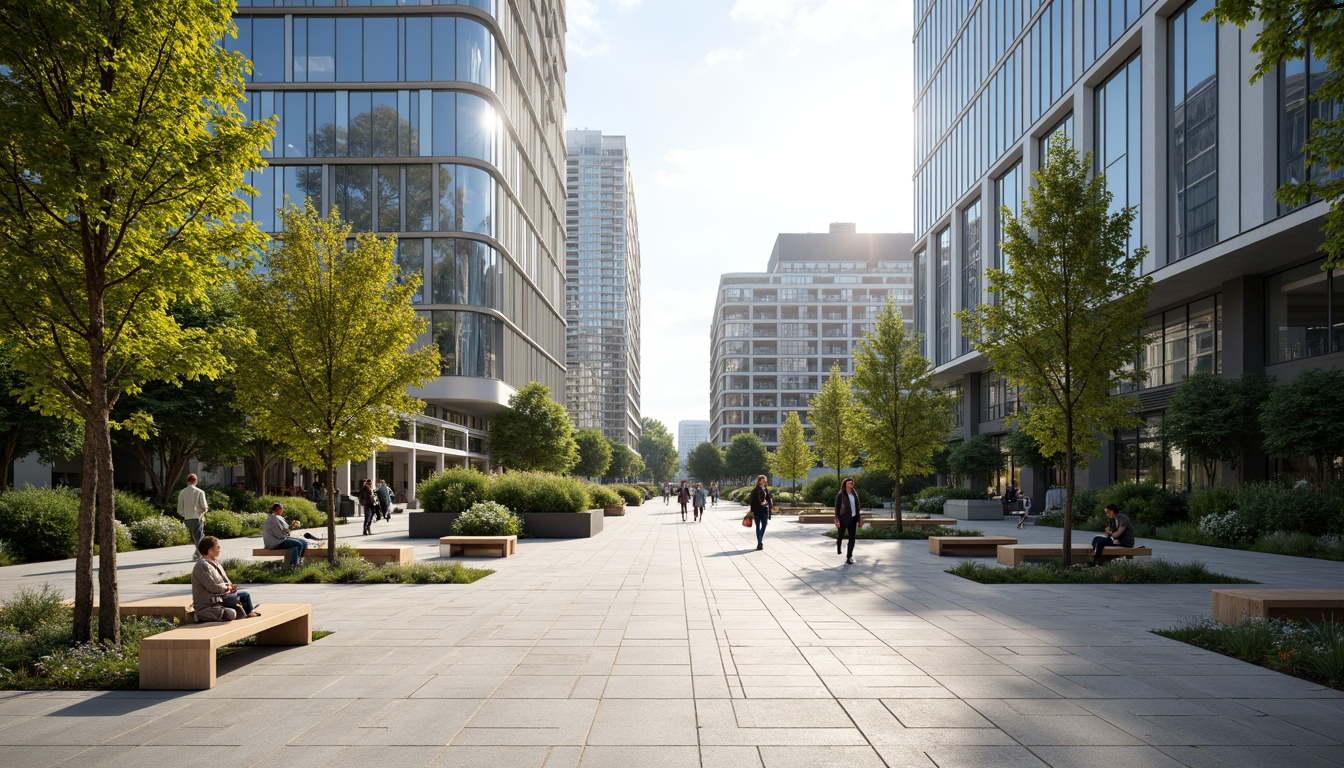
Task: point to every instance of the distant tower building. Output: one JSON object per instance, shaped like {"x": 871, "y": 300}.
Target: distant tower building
{"x": 689, "y": 435}
{"x": 777, "y": 333}
{"x": 601, "y": 288}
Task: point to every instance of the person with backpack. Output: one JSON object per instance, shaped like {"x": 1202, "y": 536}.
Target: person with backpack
{"x": 384, "y": 494}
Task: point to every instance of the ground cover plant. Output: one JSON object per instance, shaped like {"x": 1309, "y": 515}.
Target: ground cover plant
{"x": 1114, "y": 572}
{"x": 1310, "y": 650}
{"x": 38, "y": 651}
{"x": 350, "y": 568}
{"x": 486, "y": 518}
{"x": 909, "y": 533}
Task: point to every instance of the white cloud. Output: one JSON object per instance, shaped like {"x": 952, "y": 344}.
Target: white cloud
{"x": 720, "y": 56}
{"x": 825, "y": 20}
{"x": 584, "y": 37}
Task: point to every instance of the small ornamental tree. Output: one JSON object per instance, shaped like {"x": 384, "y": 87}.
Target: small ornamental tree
{"x": 837, "y": 423}
{"x": 534, "y": 434}
{"x": 658, "y": 450}
{"x": 1026, "y": 452}
{"x": 624, "y": 462}
{"x": 594, "y": 453}
{"x": 1214, "y": 420}
{"x": 745, "y": 457}
{"x": 1068, "y": 321}
{"x": 705, "y": 463}
{"x": 306, "y": 380}
{"x": 974, "y": 459}
{"x": 792, "y": 459}
{"x": 907, "y": 418}
{"x": 1305, "y": 417}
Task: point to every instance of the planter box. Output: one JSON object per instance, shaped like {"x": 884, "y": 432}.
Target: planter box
{"x": 969, "y": 509}
{"x": 613, "y": 511}
{"x": 430, "y": 525}
{"x": 563, "y": 525}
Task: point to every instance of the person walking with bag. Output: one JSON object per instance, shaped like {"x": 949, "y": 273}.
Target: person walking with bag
{"x": 761, "y": 503}
{"x": 683, "y": 498}
{"x": 369, "y": 503}
{"x": 847, "y": 517}
{"x": 698, "y": 501}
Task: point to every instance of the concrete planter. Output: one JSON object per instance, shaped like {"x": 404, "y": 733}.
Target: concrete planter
{"x": 430, "y": 525}
{"x": 613, "y": 511}
{"x": 970, "y": 509}
{"x": 563, "y": 525}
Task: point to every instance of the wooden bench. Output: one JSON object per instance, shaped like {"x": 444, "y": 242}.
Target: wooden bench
{"x": 183, "y": 659}
{"x": 975, "y": 546}
{"x": 394, "y": 554}
{"x": 173, "y": 607}
{"x": 817, "y": 517}
{"x": 1230, "y": 606}
{"x": 1017, "y": 554}
{"x": 451, "y": 546}
{"x": 911, "y": 522}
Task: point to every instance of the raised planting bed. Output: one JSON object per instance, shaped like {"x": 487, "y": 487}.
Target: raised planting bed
{"x": 972, "y": 509}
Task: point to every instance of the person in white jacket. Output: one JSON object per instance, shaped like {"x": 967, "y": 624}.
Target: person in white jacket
{"x": 191, "y": 507}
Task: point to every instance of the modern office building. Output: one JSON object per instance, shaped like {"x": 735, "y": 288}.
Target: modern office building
{"x": 1161, "y": 99}
{"x": 441, "y": 124}
{"x": 776, "y": 334}
{"x": 601, "y": 287}
{"x": 690, "y": 433}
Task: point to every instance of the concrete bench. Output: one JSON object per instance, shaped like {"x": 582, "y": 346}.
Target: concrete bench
{"x": 1017, "y": 554}
{"x": 974, "y": 546}
{"x": 451, "y": 546}
{"x": 911, "y": 522}
{"x": 394, "y": 554}
{"x": 1230, "y": 606}
{"x": 183, "y": 659}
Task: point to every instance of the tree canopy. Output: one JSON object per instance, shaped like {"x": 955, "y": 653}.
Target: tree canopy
{"x": 534, "y": 433}
{"x": 837, "y": 423}
{"x": 121, "y": 148}
{"x": 326, "y": 372}
{"x": 594, "y": 453}
{"x": 23, "y": 430}
{"x": 1214, "y": 420}
{"x": 705, "y": 463}
{"x": 975, "y": 458}
{"x": 907, "y": 418}
{"x": 745, "y": 457}
{"x": 625, "y": 463}
{"x": 792, "y": 459}
{"x": 1305, "y": 417}
{"x": 1068, "y": 322}
{"x": 657, "y": 450}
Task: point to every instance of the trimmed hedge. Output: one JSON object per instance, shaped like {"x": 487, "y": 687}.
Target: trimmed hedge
{"x": 296, "y": 508}
{"x": 129, "y": 508}
{"x": 223, "y": 524}
{"x": 600, "y": 496}
{"x": 40, "y": 523}
{"x": 525, "y": 492}
{"x": 161, "y": 531}
{"x": 633, "y": 496}
{"x": 455, "y": 489}
{"x": 487, "y": 518}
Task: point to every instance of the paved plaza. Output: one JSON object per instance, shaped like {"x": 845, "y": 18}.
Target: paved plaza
{"x": 667, "y": 644}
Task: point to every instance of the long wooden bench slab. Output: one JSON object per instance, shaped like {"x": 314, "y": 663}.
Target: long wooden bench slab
{"x": 451, "y": 546}
{"x": 1017, "y": 554}
{"x": 911, "y": 522}
{"x": 1230, "y": 606}
{"x": 183, "y": 659}
{"x": 981, "y": 546}
{"x": 394, "y": 554}
{"x": 172, "y": 607}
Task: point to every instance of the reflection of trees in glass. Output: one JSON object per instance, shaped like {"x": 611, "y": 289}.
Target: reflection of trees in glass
{"x": 411, "y": 259}
{"x": 389, "y": 198}
{"x": 375, "y": 130}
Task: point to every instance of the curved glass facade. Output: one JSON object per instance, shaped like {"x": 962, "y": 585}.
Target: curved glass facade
{"x": 438, "y": 123}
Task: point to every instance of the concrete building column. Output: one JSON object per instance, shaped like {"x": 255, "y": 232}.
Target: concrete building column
{"x": 343, "y": 478}
{"x": 410, "y": 487}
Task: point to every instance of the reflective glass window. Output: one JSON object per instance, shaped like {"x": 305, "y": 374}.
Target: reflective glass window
{"x": 1298, "y": 310}
{"x": 419, "y": 198}
{"x": 385, "y": 124}
{"x": 443, "y": 65}
{"x": 475, "y": 127}
{"x": 352, "y": 192}
{"x": 295, "y": 133}
{"x": 320, "y": 64}
{"x": 389, "y": 198}
{"x": 1176, "y": 343}
{"x": 475, "y": 53}
{"x": 477, "y": 198}
{"x": 1194, "y": 138}
{"x": 359, "y": 135}
{"x": 268, "y": 50}
{"x": 418, "y": 51}
{"x": 323, "y": 125}
{"x": 970, "y": 263}
{"x": 1118, "y": 147}
{"x": 349, "y": 50}
{"x": 411, "y": 262}
{"x": 445, "y": 123}
{"x": 380, "y": 47}
{"x": 1203, "y": 331}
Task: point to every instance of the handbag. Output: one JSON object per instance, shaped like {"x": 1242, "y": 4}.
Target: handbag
{"x": 747, "y": 521}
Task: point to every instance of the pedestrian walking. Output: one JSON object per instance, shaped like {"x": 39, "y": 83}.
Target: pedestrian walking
{"x": 698, "y": 501}
{"x": 683, "y": 498}
{"x": 847, "y": 517}
{"x": 384, "y": 494}
{"x": 191, "y": 507}
{"x": 368, "y": 502}
{"x": 667, "y": 493}
{"x": 761, "y": 503}
{"x": 714, "y": 494}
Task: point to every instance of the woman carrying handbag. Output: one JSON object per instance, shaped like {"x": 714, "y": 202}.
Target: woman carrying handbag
{"x": 761, "y": 504}
{"x": 847, "y": 517}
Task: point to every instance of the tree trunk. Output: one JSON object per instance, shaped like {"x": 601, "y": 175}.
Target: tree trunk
{"x": 83, "y": 614}
{"x": 109, "y": 615}
{"x": 7, "y": 458}
{"x": 331, "y": 512}
{"x": 1069, "y": 471}
{"x": 896, "y": 502}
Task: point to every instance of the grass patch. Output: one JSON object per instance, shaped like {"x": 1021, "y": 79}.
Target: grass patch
{"x": 1310, "y": 650}
{"x": 908, "y": 533}
{"x": 1114, "y": 572}
{"x": 350, "y": 568}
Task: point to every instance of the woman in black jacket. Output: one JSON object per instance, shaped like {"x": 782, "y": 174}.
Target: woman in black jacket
{"x": 761, "y": 504}
{"x": 847, "y": 510}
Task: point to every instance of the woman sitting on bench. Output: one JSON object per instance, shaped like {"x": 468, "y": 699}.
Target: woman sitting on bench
{"x": 213, "y": 596}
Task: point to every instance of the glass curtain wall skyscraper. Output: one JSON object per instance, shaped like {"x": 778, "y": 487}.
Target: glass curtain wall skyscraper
{"x": 441, "y": 124}
{"x": 602, "y": 287}
{"x": 1159, "y": 97}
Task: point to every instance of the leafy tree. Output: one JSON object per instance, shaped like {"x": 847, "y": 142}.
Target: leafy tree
{"x": 705, "y": 463}
{"x": 327, "y": 372}
{"x": 1292, "y": 30}
{"x": 534, "y": 434}
{"x": 792, "y": 459}
{"x": 975, "y": 459}
{"x": 1026, "y": 452}
{"x": 745, "y": 457}
{"x": 657, "y": 450}
{"x": 1215, "y": 420}
{"x": 837, "y": 423}
{"x": 24, "y": 430}
{"x": 259, "y": 454}
{"x": 907, "y": 417}
{"x": 121, "y": 148}
{"x": 1305, "y": 417}
{"x": 1068, "y": 322}
{"x": 595, "y": 453}
{"x": 624, "y": 463}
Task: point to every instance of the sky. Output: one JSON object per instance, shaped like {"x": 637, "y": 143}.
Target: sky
{"x": 744, "y": 119}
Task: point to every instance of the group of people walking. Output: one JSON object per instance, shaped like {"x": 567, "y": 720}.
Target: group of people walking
{"x": 848, "y": 514}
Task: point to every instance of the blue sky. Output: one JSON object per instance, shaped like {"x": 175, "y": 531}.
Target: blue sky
{"x": 745, "y": 118}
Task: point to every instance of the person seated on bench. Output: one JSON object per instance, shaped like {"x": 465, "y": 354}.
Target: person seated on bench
{"x": 275, "y": 535}
{"x": 213, "y": 596}
{"x": 1119, "y": 532}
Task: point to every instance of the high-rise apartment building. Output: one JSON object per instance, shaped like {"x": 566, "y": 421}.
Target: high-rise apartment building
{"x": 439, "y": 123}
{"x": 776, "y": 334}
{"x": 690, "y": 433}
{"x": 1160, "y": 97}
{"x": 601, "y": 287}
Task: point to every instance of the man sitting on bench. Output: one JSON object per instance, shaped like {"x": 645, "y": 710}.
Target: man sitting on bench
{"x": 1119, "y": 532}
{"x": 275, "y": 535}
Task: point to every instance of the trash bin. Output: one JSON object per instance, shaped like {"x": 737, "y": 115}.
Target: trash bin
{"x": 346, "y": 507}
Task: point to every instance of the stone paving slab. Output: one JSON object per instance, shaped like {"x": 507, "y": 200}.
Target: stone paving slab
{"x": 663, "y": 643}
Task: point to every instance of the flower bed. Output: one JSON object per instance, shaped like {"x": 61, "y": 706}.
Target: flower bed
{"x": 1309, "y": 650}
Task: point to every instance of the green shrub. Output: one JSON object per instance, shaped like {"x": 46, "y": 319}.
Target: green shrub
{"x": 1053, "y": 518}
{"x": 526, "y": 492}
{"x": 39, "y": 524}
{"x": 1266, "y": 507}
{"x": 487, "y": 518}
{"x": 1144, "y": 503}
{"x": 161, "y": 531}
{"x": 1295, "y": 543}
{"x": 296, "y": 508}
{"x": 129, "y": 508}
{"x": 600, "y": 496}
{"x": 1228, "y": 527}
{"x": 123, "y": 533}
{"x": 875, "y": 485}
{"x": 228, "y": 497}
{"x": 633, "y": 496}
{"x": 455, "y": 489}
{"x": 1217, "y": 498}
{"x": 1187, "y": 533}
{"x": 1087, "y": 503}
{"x": 950, "y": 493}
{"x": 223, "y": 524}
{"x": 32, "y": 607}
{"x": 822, "y": 489}
{"x": 252, "y": 520}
